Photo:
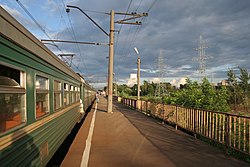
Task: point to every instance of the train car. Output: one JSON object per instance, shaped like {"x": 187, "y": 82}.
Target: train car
{"x": 41, "y": 98}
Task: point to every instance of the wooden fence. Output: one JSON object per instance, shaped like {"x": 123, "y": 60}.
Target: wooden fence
{"x": 233, "y": 131}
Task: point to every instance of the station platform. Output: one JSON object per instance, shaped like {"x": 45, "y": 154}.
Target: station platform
{"x": 129, "y": 138}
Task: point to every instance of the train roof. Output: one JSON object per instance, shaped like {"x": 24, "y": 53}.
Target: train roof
{"x": 11, "y": 29}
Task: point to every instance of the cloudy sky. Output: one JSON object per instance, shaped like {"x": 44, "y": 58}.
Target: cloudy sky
{"x": 171, "y": 31}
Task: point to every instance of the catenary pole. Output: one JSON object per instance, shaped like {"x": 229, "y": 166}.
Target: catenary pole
{"x": 111, "y": 45}
{"x": 111, "y": 62}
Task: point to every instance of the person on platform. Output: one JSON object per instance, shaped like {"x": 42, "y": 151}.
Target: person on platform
{"x": 97, "y": 97}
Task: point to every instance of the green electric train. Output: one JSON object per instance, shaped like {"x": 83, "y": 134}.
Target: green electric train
{"x": 41, "y": 98}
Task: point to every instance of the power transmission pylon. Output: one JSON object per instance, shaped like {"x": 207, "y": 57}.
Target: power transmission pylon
{"x": 161, "y": 68}
{"x": 202, "y": 59}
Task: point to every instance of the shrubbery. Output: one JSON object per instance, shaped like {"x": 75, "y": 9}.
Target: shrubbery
{"x": 202, "y": 95}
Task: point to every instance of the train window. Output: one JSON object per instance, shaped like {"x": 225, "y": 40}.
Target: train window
{"x": 57, "y": 95}
{"x": 12, "y": 98}
{"x": 42, "y": 96}
{"x": 77, "y": 93}
{"x": 72, "y": 94}
{"x": 66, "y": 94}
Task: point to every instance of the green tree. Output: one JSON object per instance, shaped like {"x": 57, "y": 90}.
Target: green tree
{"x": 144, "y": 88}
{"x": 192, "y": 94}
{"x": 134, "y": 90}
{"x": 221, "y": 100}
{"x": 124, "y": 90}
{"x": 244, "y": 80}
{"x": 151, "y": 89}
{"x": 232, "y": 81}
{"x": 202, "y": 95}
{"x": 208, "y": 97}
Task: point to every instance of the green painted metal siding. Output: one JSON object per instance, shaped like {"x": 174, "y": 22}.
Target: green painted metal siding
{"x": 14, "y": 53}
{"x": 28, "y": 55}
{"x": 26, "y": 152}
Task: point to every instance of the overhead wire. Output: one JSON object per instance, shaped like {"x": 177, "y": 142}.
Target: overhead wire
{"x": 39, "y": 26}
{"x": 66, "y": 60}
{"x": 88, "y": 74}
{"x": 77, "y": 45}
{"x": 136, "y": 32}
{"x": 62, "y": 19}
{"x": 33, "y": 19}
{"x": 74, "y": 38}
{"x": 138, "y": 6}
{"x": 142, "y": 20}
{"x": 117, "y": 39}
{"x": 151, "y": 6}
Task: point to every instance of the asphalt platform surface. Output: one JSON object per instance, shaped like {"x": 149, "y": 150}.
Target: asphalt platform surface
{"x": 129, "y": 138}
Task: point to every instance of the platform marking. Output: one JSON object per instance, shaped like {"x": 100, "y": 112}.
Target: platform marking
{"x": 85, "y": 156}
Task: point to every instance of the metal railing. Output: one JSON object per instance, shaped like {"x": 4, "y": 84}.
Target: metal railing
{"x": 232, "y": 131}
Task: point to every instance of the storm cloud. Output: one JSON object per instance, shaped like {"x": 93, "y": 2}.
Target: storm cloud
{"x": 173, "y": 26}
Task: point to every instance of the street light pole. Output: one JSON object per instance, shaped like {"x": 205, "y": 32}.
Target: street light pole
{"x": 138, "y": 73}
{"x": 111, "y": 61}
{"x": 138, "y": 77}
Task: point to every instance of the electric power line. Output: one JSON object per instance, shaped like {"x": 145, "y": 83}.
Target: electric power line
{"x": 43, "y": 30}
{"x": 132, "y": 41}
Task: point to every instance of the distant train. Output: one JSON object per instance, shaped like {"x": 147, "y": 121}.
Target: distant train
{"x": 41, "y": 98}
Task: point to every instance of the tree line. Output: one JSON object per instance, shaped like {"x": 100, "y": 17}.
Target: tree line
{"x": 232, "y": 96}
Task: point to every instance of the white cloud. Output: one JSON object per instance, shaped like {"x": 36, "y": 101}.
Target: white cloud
{"x": 173, "y": 25}
{"x": 11, "y": 11}
{"x": 178, "y": 82}
{"x": 155, "y": 80}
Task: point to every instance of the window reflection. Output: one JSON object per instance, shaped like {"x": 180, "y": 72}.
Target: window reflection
{"x": 42, "y": 96}
{"x": 12, "y": 98}
{"x": 57, "y": 95}
{"x": 66, "y": 94}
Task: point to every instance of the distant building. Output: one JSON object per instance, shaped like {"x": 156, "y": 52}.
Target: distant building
{"x": 223, "y": 83}
{"x": 132, "y": 80}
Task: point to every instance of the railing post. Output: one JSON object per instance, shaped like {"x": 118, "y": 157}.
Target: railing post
{"x": 163, "y": 116}
{"x": 135, "y": 104}
{"x": 176, "y": 118}
{"x": 227, "y": 133}
{"x": 195, "y": 116}
{"x": 141, "y": 105}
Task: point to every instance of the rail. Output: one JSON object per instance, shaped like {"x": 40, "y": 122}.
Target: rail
{"x": 232, "y": 131}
